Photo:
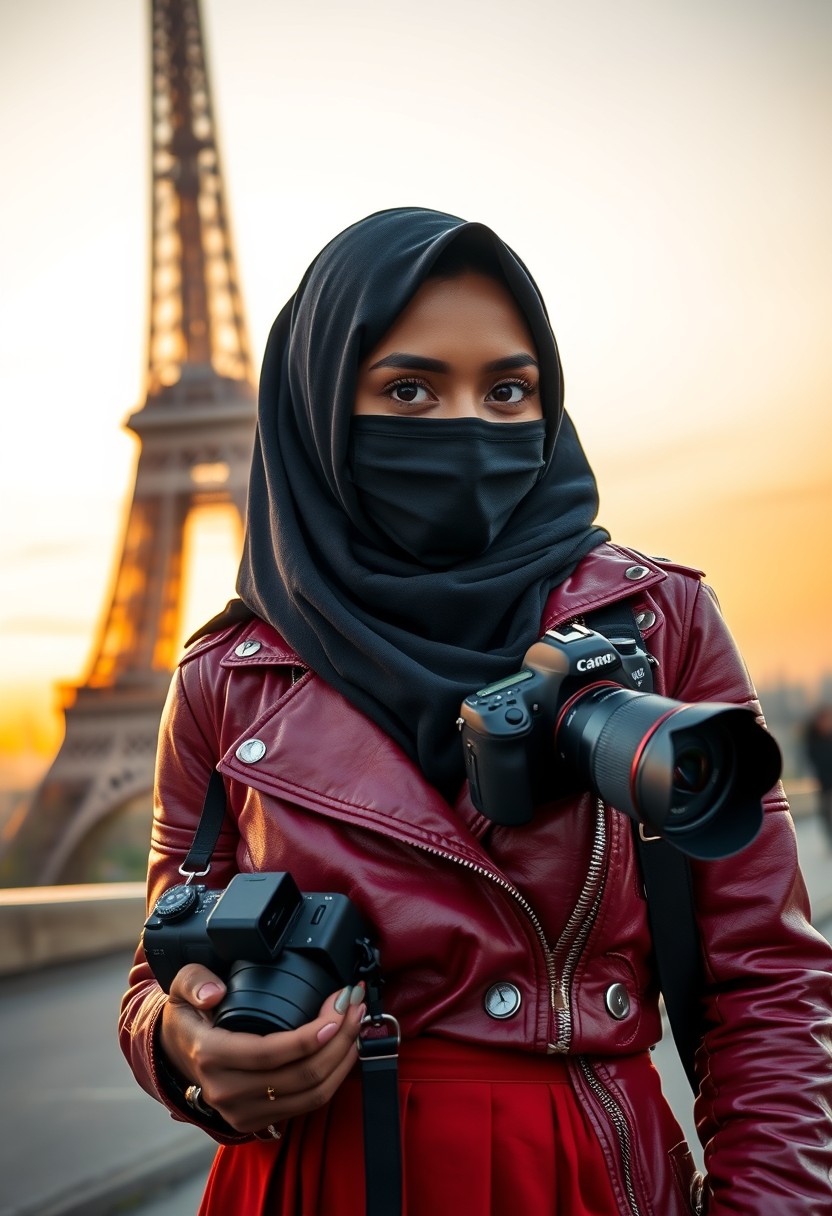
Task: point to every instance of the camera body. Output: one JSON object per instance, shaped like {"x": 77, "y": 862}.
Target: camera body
{"x": 581, "y": 715}
{"x": 281, "y": 952}
{"x": 507, "y": 727}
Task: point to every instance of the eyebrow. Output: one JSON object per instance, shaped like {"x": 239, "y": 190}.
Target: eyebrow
{"x": 503, "y": 365}
{"x": 422, "y": 363}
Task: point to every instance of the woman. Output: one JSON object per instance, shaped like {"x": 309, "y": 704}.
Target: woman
{"x": 420, "y": 511}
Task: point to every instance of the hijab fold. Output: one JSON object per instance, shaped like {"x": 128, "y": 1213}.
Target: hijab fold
{"x": 404, "y": 643}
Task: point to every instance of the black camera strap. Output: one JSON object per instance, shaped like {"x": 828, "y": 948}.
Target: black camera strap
{"x": 378, "y": 1050}
{"x": 668, "y": 887}
{"x": 378, "y": 1045}
{"x": 198, "y": 861}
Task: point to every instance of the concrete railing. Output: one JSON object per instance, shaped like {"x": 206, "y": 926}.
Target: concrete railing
{"x": 44, "y": 925}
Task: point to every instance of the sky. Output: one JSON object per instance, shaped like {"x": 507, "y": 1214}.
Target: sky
{"x": 662, "y": 166}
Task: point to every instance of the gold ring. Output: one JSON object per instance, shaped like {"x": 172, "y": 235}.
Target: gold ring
{"x": 270, "y": 1094}
{"x": 273, "y": 1132}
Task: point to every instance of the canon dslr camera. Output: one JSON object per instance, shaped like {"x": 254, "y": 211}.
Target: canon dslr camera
{"x": 280, "y": 952}
{"x": 580, "y": 715}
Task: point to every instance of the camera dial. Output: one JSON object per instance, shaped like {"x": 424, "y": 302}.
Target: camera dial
{"x": 177, "y": 902}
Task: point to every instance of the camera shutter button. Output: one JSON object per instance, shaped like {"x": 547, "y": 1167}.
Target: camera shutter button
{"x": 514, "y": 716}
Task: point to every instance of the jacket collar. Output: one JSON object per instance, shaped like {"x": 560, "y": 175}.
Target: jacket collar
{"x": 606, "y": 575}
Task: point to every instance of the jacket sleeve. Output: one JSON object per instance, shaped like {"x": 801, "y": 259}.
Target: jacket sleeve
{"x": 187, "y": 752}
{"x": 763, "y": 1113}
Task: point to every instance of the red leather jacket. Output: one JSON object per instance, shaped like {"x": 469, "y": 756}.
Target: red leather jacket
{"x": 554, "y": 908}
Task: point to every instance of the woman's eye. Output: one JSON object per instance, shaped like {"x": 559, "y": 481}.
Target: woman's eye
{"x": 409, "y": 392}
{"x": 510, "y": 392}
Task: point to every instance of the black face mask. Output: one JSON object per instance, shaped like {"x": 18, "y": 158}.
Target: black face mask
{"x": 443, "y": 489}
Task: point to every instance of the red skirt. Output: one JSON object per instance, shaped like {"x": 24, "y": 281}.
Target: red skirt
{"x": 484, "y": 1133}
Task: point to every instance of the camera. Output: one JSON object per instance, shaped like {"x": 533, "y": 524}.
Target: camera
{"x": 580, "y": 714}
{"x": 281, "y": 952}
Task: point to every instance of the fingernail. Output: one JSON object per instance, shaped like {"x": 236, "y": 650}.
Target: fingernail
{"x": 326, "y": 1032}
{"x": 357, "y": 994}
{"x": 208, "y": 990}
{"x": 342, "y": 1000}
{"x": 361, "y": 1013}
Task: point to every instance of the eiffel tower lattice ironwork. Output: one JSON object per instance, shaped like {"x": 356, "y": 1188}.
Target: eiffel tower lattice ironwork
{"x": 195, "y": 430}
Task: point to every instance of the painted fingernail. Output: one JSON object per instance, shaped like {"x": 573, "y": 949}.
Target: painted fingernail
{"x": 357, "y": 994}
{"x": 342, "y": 1000}
{"x": 326, "y": 1032}
{"x": 208, "y": 990}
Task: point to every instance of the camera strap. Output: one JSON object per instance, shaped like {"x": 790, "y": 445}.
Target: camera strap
{"x": 668, "y": 887}
{"x": 378, "y": 1050}
{"x": 198, "y": 861}
{"x": 378, "y": 1044}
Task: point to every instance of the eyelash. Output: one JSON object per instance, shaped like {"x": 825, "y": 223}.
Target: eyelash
{"x": 403, "y": 381}
{"x": 529, "y": 389}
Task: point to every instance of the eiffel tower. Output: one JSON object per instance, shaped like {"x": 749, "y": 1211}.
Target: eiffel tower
{"x": 195, "y": 430}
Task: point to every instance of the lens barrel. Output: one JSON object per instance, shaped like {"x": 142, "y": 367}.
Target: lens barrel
{"x": 263, "y": 998}
{"x": 694, "y": 773}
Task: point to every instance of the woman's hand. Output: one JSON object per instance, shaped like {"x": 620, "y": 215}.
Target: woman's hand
{"x": 238, "y": 1071}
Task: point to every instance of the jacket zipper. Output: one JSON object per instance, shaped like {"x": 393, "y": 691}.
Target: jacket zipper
{"x": 618, "y": 1120}
{"x": 578, "y": 928}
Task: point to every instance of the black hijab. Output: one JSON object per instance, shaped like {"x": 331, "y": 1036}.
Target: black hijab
{"x": 403, "y": 643}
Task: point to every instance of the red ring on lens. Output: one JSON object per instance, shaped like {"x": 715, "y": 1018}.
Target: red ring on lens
{"x": 576, "y": 696}
{"x": 640, "y": 751}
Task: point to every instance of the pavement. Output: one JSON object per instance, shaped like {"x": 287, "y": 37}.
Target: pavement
{"x": 77, "y": 1135}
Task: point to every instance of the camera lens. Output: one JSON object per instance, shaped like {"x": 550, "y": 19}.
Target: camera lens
{"x": 694, "y": 773}
{"x": 262, "y": 999}
{"x": 702, "y": 772}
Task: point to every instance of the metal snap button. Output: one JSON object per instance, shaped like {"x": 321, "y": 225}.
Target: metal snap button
{"x": 247, "y": 648}
{"x": 646, "y": 619}
{"x": 636, "y": 572}
{"x": 617, "y": 1001}
{"x": 251, "y": 751}
{"x": 502, "y": 1000}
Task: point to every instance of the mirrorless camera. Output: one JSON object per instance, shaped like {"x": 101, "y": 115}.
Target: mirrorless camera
{"x": 281, "y": 952}
{"x": 580, "y": 714}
